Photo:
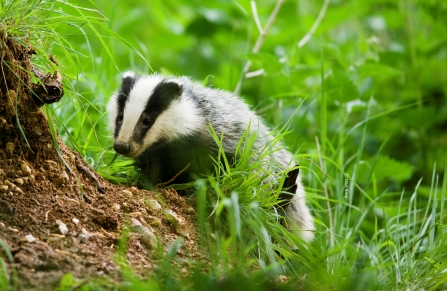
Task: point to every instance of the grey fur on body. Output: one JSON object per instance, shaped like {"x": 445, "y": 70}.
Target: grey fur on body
{"x": 163, "y": 123}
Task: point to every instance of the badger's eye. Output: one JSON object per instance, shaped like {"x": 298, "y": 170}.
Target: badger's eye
{"x": 147, "y": 121}
{"x": 120, "y": 117}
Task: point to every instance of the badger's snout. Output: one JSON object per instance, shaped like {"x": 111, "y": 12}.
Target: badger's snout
{"x": 122, "y": 148}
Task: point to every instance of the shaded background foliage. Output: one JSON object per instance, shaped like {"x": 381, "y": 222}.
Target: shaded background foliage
{"x": 386, "y": 53}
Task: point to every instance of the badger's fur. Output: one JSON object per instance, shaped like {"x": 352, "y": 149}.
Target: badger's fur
{"x": 163, "y": 123}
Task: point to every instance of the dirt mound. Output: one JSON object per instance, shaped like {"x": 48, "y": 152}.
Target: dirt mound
{"x": 56, "y": 215}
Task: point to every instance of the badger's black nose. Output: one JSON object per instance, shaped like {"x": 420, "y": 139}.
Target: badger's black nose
{"x": 122, "y": 148}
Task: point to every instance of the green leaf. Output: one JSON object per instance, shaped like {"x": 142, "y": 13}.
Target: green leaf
{"x": 388, "y": 168}
{"x": 379, "y": 71}
{"x": 340, "y": 87}
{"x": 67, "y": 281}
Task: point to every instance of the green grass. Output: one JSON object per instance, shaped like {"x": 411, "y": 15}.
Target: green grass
{"x": 8, "y": 277}
{"x": 369, "y": 133}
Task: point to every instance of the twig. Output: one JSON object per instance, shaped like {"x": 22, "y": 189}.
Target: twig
{"x": 256, "y": 17}
{"x": 173, "y": 178}
{"x": 92, "y": 176}
{"x": 314, "y": 27}
{"x": 331, "y": 236}
{"x": 259, "y": 43}
{"x": 46, "y": 215}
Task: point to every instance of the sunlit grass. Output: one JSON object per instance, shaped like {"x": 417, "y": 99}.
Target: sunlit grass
{"x": 244, "y": 242}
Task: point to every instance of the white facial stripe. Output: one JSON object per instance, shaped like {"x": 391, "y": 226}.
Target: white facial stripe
{"x": 181, "y": 118}
{"x": 112, "y": 110}
{"x": 135, "y": 104}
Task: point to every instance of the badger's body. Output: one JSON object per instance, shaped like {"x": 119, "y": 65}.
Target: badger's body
{"x": 164, "y": 124}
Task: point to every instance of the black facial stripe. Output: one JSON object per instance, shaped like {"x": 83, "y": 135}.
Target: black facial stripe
{"x": 164, "y": 93}
{"x": 122, "y": 96}
{"x": 117, "y": 125}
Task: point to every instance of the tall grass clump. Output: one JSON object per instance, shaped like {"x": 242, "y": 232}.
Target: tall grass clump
{"x": 244, "y": 198}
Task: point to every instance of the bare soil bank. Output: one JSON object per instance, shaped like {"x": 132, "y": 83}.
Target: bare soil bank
{"x": 61, "y": 217}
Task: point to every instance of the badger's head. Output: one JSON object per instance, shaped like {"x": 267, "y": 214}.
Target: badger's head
{"x": 150, "y": 110}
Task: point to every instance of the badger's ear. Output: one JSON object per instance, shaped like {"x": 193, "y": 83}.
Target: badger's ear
{"x": 170, "y": 89}
{"x": 129, "y": 74}
{"x": 127, "y": 84}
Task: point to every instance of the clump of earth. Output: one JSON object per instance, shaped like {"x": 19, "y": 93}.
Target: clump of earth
{"x": 57, "y": 215}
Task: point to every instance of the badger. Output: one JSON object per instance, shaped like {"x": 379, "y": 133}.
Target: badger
{"x": 164, "y": 122}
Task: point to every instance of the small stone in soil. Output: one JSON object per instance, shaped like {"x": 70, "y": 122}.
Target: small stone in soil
{"x": 62, "y": 227}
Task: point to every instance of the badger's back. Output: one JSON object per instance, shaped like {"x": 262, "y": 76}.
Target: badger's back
{"x": 229, "y": 115}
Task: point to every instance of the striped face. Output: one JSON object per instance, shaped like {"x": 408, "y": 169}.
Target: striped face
{"x": 150, "y": 110}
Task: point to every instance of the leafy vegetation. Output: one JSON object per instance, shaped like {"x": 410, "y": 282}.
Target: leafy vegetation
{"x": 370, "y": 81}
